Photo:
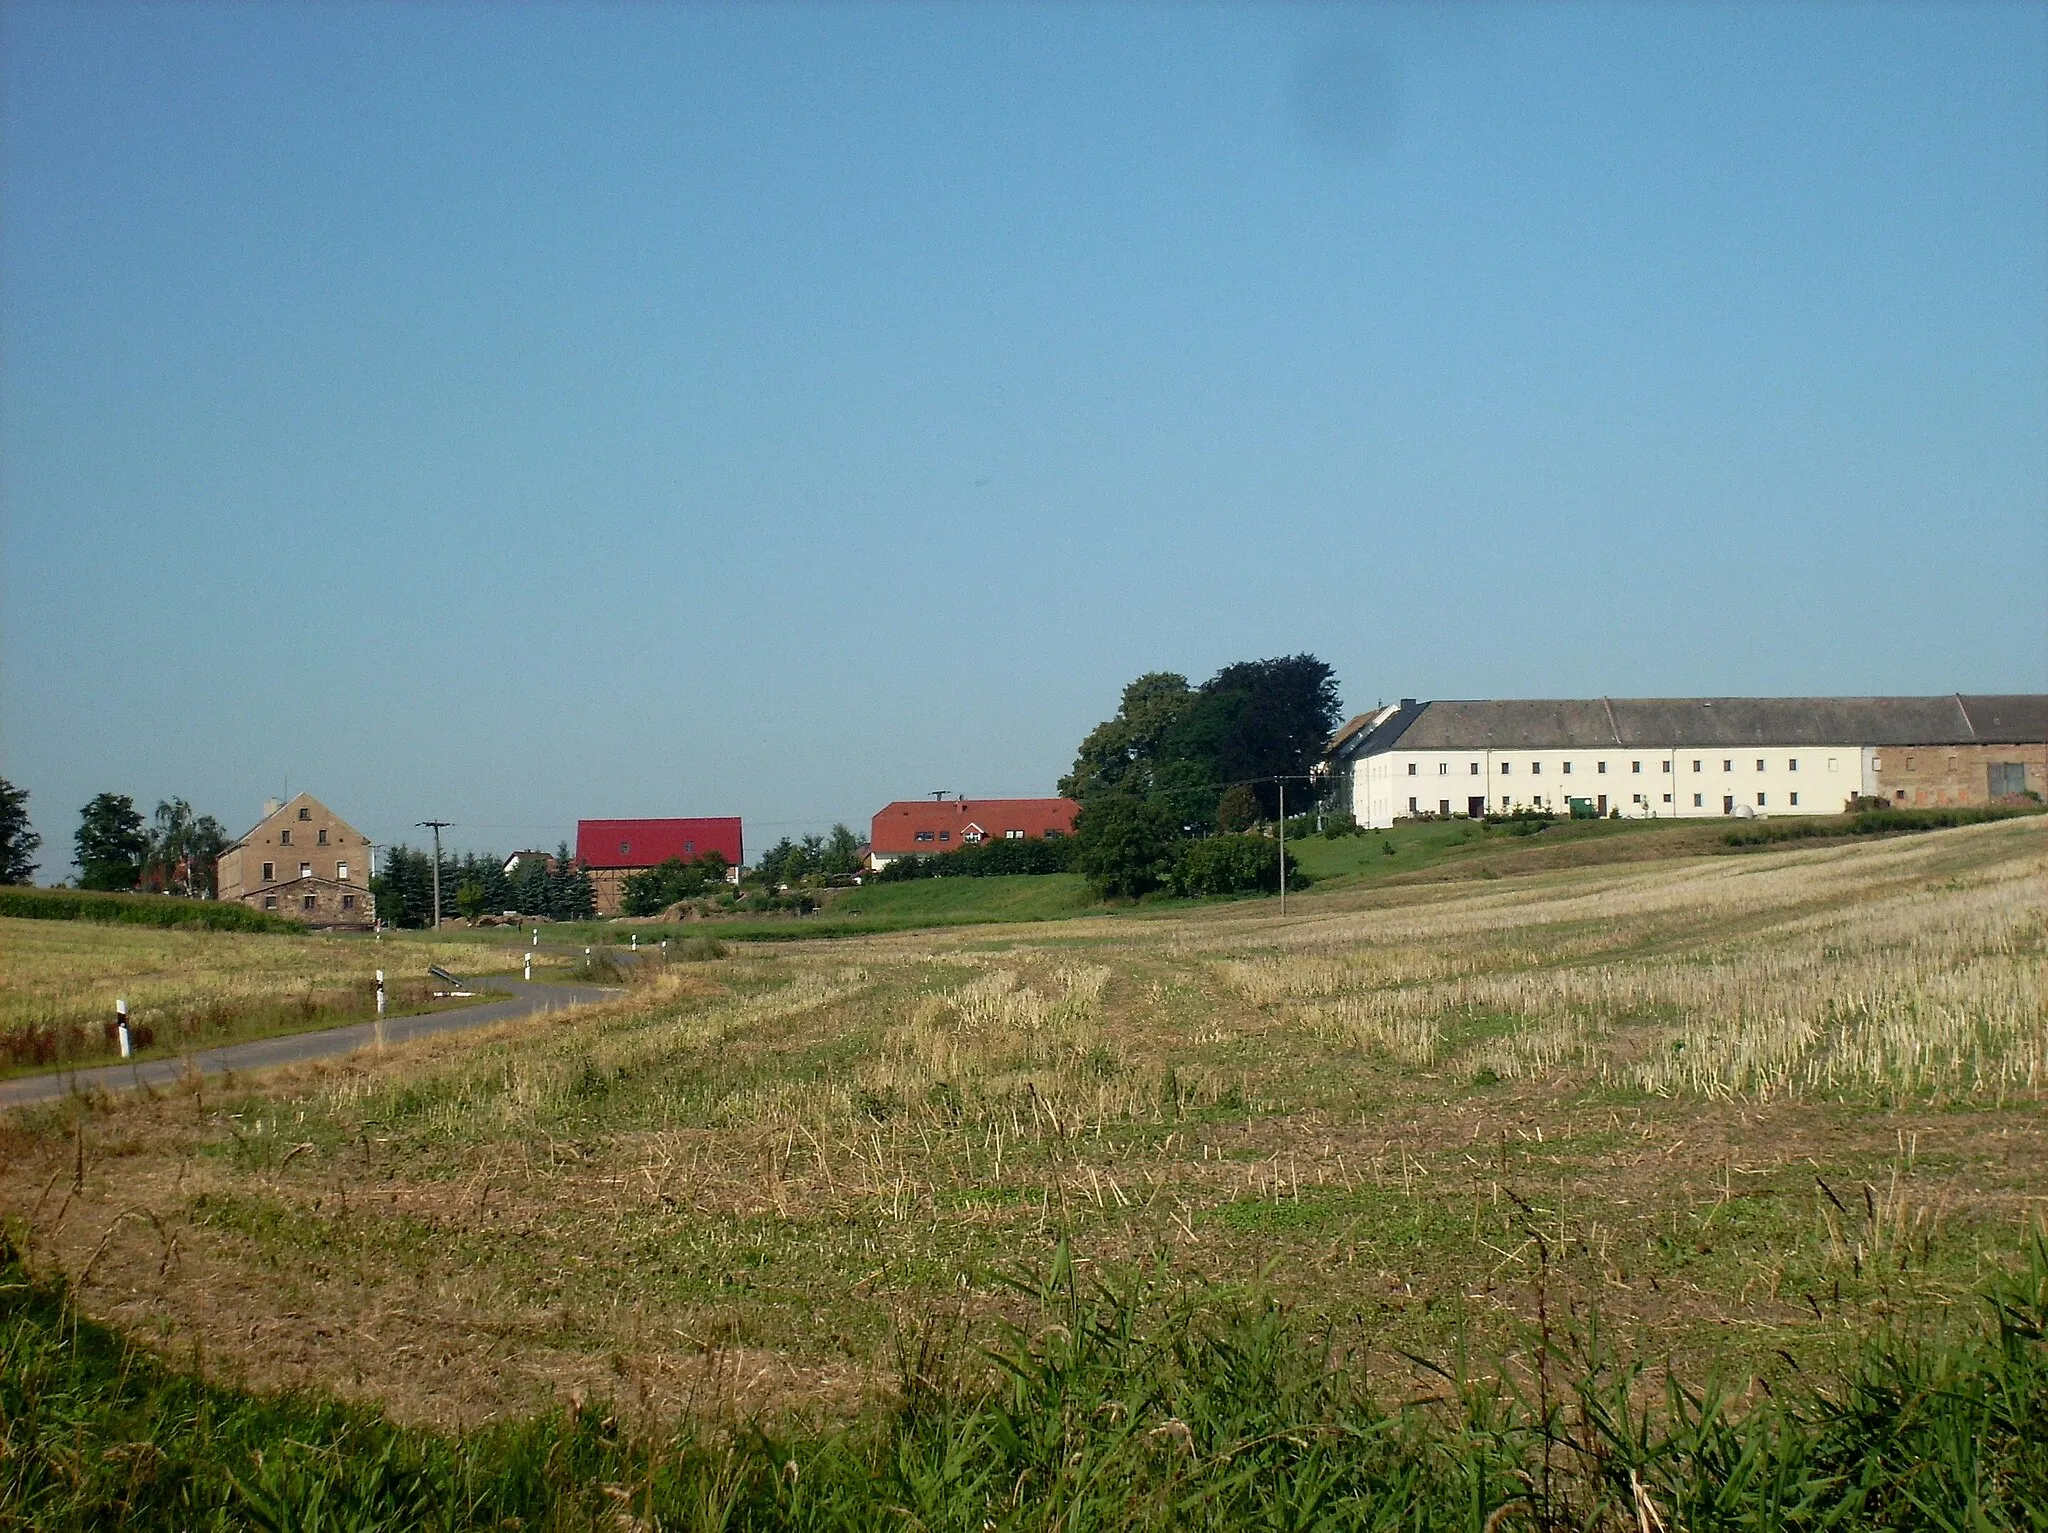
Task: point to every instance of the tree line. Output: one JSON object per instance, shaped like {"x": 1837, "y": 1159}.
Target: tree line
{"x": 116, "y": 849}
{"x": 1173, "y": 783}
{"x": 556, "y": 888}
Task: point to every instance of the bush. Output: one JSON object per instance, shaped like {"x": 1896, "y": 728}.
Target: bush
{"x": 1875, "y": 822}
{"x": 1124, "y": 846}
{"x": 992, "y": 859}
{"x": 1232, "y": 865}
{"x": 138, "y": 910}
{"x": 1340, "y": 826}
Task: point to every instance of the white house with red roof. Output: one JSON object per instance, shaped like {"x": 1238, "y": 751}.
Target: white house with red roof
{"x": 924, "y": 827}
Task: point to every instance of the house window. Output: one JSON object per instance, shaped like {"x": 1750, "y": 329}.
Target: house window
{"x": 1791, "y": 763}
{"x": 306, "y": 870}
{"x": 1877, "y": 763}
{"x": 322, "y": 838}
{"x": 627, "y": 846}
{"x": 1727, "y": 765}
{"x": 1909, "y": 763}
{"x": 1505, "y": 768}
{"x": 341, "y": 872}
{"x": 270, "y": 901}
{"x": 1443, "y": 769}
{"x": 1759, "y": 801}
{"x": 1018, "y": 835}
{"x": 1411, "y": 809}
{"x": 1534, "y": 768}
{"x": 1900, "y": 795}
{"x": 1759, "y": 763}
{"x": 1795, "y": 801}
{"x": 1667, "y": 766}
{"x": 1696, "y": 764}
{"x": 1727, "y": 803}
{"x": 925, "y": 835}
{"x": 1443, "y": 807}
{"x": 1567, "y": 772}
{"x": 284, "y": 837}
{"x": 1475, "y": 773}
{"x": 1411, "y": 773}
{"x": 305, "y": 814}
{"x": 348, "y": 901}
{"x": 310, "y": 901}
{"x": 690, "y": 850}
{"x": 1667, "y": 798}
{"x": 1636, "y": 767}
{"x": 1602, "y": 768}
{"x": 1633, "y": 798}
{"x": 1831, "y": 764}
{"x": 2006, "y": 778}
{"x": 1053, "y": 834}
{"x": 1699, "y": 801}
{"x": 270, "y": 872}
{"x": 947, "y": 835}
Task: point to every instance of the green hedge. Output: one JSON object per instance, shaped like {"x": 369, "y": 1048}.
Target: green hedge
{"x": 1870, "y": 822}
{"x": 138, "y": 910}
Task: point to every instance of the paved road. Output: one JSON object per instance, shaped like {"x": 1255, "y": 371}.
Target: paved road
{"x": 524, "y": 999}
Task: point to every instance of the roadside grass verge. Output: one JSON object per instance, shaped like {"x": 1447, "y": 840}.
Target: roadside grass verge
{"x": 1115, "y": 1403}
{"x": 190, "y": 989}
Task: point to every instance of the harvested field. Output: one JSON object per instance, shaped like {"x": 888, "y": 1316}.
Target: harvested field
{"x": 1744, "y": 1107}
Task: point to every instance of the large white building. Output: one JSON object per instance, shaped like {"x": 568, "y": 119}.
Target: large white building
{"x": 1684, "y": 757}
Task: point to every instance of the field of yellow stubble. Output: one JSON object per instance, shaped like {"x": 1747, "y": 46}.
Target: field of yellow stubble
{"x": 1741, "y": 1105}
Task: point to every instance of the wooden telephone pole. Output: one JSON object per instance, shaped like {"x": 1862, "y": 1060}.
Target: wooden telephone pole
{"x": 436, "y": 826}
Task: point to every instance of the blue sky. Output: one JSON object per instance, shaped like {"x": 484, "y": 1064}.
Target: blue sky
{"x": 512, "y": 414}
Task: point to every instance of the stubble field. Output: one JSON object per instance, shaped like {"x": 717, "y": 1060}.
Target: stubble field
{"x": 1746, "y": 1110}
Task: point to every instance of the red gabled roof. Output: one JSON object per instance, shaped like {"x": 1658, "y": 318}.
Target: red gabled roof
{"x": 648, "y": 843}
{"x": 895, "y": 828}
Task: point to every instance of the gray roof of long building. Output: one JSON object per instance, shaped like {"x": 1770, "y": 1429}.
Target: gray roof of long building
{"x": 1591, "y": 723}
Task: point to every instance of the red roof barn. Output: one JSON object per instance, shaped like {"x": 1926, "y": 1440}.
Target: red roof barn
{"x": 923, "y": 826}
{"x": 614, "y": 849}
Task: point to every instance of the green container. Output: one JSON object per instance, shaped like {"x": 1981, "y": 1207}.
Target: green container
{"x": 1582, "y": 809}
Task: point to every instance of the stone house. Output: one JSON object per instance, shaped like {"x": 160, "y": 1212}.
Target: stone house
{"x": 304, "y": 862}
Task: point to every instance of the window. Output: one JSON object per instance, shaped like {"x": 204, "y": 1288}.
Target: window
{"x": 341, "y": 872}
{"x": 1727, "y": 765}
{"x": 1791, "y": 763}
{"x": 284, "y": 837}
{"x": 1636, "y": 767}
{"x": 1601, "y": 768}
{"x": 1567, "y": 772}
{"x": 1534, "y": 768}
{"x": 1443, "y": 769}
{"x": 1759, "y": 767}
{"x": 1667, "y": 798}
{"x": 1411, "y": 773}
{"x": 2006, "y": 778}
{"x": 348, "y": 901}
{"x": 627, "y": 846}
{"x": 270, "y": 900}
{"x": 1018, "y": 835}
{"x": 947, "y": 835}
{"x": 1443, "y": 807}
{"x": 1696, "y": 764}
{"x": 1054, "y": 835}
{"x": 306, "y": 870}
{"x": 1795, "y": 804}
{"x": 307, "y": 814}
{"x": 322, "y": 838}
{"x": 1909, "y": 763}
{"x": 924, "y": 835}
{"x": 1411, "y": 809}
{"x": 1877, "y": 763}
{"x": 309, "y": 902}
{"x": 1699, "y": 801}
{"x": 1759, "y": 804}
{"x": 1633, "y": 798}
{"x": 1475, "y": 773}
{"x": 1505, "y": 768}
{"x": 1727, "y": 803}
{"x": 270, "y": 872}
{"x": 1667, "y": 766}
{"x": 1900, "y": 795}
{"x": 690, "y": 849}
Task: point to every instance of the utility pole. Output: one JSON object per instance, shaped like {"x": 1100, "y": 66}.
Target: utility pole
{"x": 436, "y": 826}
{"x": 1283, "y": 846}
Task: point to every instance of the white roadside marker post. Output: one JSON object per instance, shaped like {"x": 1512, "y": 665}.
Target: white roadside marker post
{"x": 529, "y": 964}
{"x": 380, "y": 1009}
{"x": 636, "y": 942}
{"x": 121, "y": 1027}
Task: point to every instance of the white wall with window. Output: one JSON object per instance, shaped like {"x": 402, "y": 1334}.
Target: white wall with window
{"x": 1672, "y": 781}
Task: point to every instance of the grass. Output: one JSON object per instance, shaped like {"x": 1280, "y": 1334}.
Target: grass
{"x": 138, "y": 910}
{"x": 1114, "y": 1404}
{"x": 191, "y": 989}
{"x": 1756, "y": 1112}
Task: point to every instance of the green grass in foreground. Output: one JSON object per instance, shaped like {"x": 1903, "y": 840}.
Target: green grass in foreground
{"x": 1112, "y": 1406}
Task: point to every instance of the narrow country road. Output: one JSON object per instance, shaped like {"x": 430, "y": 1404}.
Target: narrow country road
{"x": 525, "y": 999}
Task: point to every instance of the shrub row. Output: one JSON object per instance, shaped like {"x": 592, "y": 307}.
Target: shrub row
{"x": 992, "y": 859}
{"x": 138, "y": 910}
{"x": 1870, "y": 822}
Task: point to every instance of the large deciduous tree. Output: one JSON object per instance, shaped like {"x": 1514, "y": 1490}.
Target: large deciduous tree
{"x": 1124, "y": 845}
{"x": 18, "y": 840}
{"x": 184, "y": 849}
{"x": 110, "y": 843}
